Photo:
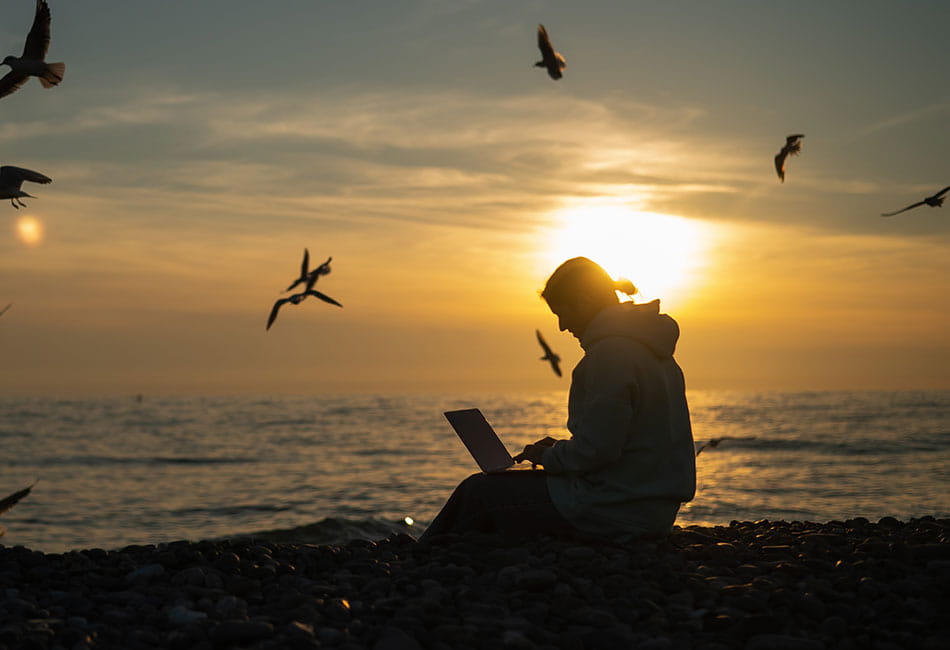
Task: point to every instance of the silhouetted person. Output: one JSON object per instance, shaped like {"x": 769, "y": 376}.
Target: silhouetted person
{"x": 33, "y": 62}
{"x": 934, "y": 201}
{"x": 551, "y": 60}
{"x": 629, "y": 462}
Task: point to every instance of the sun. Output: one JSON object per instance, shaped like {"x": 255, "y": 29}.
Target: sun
{"x": 661, "y": 254}
{"x": 29, "y": 230}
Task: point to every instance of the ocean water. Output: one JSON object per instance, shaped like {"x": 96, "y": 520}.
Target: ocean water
{"x": 113, "y": 472}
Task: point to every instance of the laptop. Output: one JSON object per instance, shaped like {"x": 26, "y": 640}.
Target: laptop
{"x": 481, "y": 440}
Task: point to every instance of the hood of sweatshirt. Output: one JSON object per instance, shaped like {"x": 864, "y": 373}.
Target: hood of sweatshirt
{"x": 641, "y": 322}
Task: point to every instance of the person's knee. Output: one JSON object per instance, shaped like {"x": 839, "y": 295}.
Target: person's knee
{"x": 471, "y": 484}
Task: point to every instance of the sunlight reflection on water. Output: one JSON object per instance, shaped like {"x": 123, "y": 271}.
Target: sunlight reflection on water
{"x": 114, "y": 472}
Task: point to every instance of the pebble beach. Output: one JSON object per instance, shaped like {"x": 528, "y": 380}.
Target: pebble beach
{"x": 759, "y": 585}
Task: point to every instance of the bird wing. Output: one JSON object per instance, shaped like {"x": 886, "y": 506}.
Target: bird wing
{"x": 13, "y": 499}
{"x": 940, "y": 193}
{"x": 913, "y": 205}
{"x": 549, "y": 355}
{"x": 11, "y": 82}
{"x": 544, "y": 344}
{"x": 4, "y": 310}
{"x": 11, "y": 174}
{"x": 322, "y": 296}
{"x": 37, "y": 41}
{"x": 273, "y": 312}
{"x": 305, "y": 265}
{"x": 544, "y": 44}
{"x": 296, "y": 282}
{"x": 780, "y": 164}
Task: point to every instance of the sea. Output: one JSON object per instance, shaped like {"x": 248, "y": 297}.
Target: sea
{"x": 110, "y": 472}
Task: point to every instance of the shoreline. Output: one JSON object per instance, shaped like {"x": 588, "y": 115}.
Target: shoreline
{"x": 759, "y": 585}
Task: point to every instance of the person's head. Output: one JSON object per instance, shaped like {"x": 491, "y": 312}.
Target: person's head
{"x": 578, "y": 290}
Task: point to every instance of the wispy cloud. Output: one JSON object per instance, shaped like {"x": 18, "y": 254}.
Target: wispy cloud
{"x": 908, "y": 117}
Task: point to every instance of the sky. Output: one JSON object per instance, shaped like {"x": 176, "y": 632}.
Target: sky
{"x": 196, "y": 149}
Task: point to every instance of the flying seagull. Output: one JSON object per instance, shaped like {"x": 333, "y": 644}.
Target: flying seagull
{"x": 793, "y": 146}
{"x": 297, "y": 298}
{"x": 11, "y": 178}
{"x": 306, "y": 273}
{"x": 934, "y": 201}
{"x": 550, "y": 59}
{"x": 713, "y": 443}
{"x": 33, "y": 63}
{"x": 10, "y": 501}
{"x": 549, "y": 355}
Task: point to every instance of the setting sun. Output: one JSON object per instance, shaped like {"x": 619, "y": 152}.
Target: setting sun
{"x": 30, "y": 230}
{"x": 660, "y": 253}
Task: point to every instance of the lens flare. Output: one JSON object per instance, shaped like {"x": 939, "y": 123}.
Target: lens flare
{"x": 661, "y": 254}
{"x": 29, "y": 230}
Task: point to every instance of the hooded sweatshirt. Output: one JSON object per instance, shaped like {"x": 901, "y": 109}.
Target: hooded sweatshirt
{"x": 630, "y": 461}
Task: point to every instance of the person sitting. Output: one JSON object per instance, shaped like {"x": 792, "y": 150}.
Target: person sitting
{"x": 630, "y": 460}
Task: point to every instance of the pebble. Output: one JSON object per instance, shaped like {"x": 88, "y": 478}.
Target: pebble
{"x": 763, "y": 585}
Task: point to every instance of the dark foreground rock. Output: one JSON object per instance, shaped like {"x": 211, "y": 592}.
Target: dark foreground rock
{"x": 850, "y": 585}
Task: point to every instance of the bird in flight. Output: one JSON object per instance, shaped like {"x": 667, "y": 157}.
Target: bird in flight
{"x": 793, "y": 146}
{"x": 549, "y": 355}
{"x": 4, "y": 310}
{"x": 306, "y": 273}
{"x": 550, "y": 59}
{"x": 11, "y": 178}
{"x": 33, "y": 62}
{"x": 9, "y": 501}
{"x": 297, "y": 298}
{"x": 934, "y": 201}
{"x": 712, "y": 444}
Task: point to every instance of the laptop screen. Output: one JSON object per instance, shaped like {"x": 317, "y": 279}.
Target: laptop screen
{"x": 480, "y": 439}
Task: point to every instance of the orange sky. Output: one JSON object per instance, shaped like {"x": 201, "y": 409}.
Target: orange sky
{"x": 184, "y": 196}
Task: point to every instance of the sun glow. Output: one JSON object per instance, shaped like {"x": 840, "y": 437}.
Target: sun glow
{"x": 29, "y": 230}
{"x": 661, "y": 254}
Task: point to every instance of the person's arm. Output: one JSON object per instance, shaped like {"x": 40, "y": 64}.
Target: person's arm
{"x": 600, "y": 431}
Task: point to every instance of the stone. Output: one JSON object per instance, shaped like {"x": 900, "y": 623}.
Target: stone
{"x": 241, "y": 632}
{"x": 782, "y": 642}
{"x": 145, "y": 573}
{"x": 516, "y": 640}
{"x": 181, "y": 615}
{"x": 536, "y": 580}
{"x": 394, "y": 638}
{"x": 330, "y": 636}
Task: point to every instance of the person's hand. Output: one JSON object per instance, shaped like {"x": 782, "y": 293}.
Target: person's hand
{"x": 534, "y": 451}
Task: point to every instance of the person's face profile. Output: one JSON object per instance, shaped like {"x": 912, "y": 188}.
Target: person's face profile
{"x": 571, "y": 316}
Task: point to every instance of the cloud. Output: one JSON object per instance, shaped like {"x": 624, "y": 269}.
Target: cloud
{"x": 906, "y": 117}
{"x": 350, "y": 156}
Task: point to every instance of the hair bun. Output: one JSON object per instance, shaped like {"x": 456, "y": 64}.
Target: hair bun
{"x": 626, "y": 286}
